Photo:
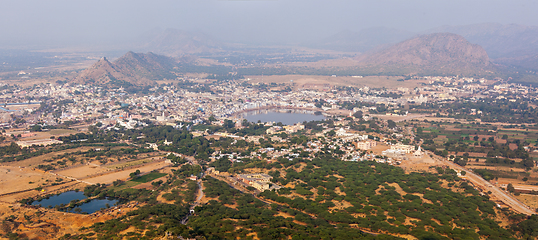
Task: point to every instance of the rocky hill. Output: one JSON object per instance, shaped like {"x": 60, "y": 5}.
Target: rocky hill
{"x": 102, "y": 72}
{"x": 130, "y": 69}
{"x": 146, "y": 66}
{"x": 500, "y": 41}
{"x": 510, "y": 45}
{"x": 438, "y": 53}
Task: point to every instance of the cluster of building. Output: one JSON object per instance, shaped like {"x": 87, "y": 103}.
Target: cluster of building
{"x": 259, "y": 181}
{"x": 53, "y": 103}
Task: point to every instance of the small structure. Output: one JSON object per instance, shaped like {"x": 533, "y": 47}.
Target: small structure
{"x": 418, "y": 153}
{"x": 259, "y": 181}
{"x": 154, "y": 146}
{"x": 365, "y": 145}
{"x": 293, "y": 128}
{"x": 272, "y": 130}
{"x": 403, "y": 148}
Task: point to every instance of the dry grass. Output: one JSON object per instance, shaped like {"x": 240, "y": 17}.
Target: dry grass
{"x": 129, "y": 163}
{"x": 13, "y": 179}
{"x": 109, "y": 178}
{"x": 529, "y": 200}
{"x": 82, "y": 171}
{"x": 317, "y": 82}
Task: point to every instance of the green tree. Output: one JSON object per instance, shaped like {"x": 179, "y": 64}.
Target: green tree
{"x": 510, "y": 188}
{"x": 357, "y": 114}
{"x": 391, "y": 124}
{"x": 135, "y": 174}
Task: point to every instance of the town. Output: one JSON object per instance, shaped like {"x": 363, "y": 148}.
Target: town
{"x": 197, "y": 129}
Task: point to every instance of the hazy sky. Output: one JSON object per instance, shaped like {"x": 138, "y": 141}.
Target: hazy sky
{"x": 95, "y": 22}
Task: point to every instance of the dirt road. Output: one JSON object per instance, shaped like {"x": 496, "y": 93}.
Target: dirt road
{"x": 485, "y": 185}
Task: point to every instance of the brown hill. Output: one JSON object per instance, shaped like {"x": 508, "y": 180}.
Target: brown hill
{"x": 147, "y": 66}
{"x": 130, "y": 69}
{"x": 438, "y": 53}
{"x": 100, "y": 73}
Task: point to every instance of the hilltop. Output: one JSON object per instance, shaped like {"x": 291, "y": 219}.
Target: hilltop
{"x": 438, "y": 53}
{"x": 130, "y": 69}
{"x": 500, "y": 41}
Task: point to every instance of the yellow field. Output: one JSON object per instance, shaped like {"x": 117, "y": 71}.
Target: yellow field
{"x": 82, "y": 171}
{"x": 132, "y": 163}
{"x": 109, "y": 178}
{"x": 313, "y": 81}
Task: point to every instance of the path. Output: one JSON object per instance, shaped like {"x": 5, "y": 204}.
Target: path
{"x": 238, "y": 187}
{"x": 196, "y": 203}
{"x": 200, "y": 194}
{"x": 487, "y": 186}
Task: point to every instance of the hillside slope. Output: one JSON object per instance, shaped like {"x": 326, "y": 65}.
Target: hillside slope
{"x": 438, "y": 53}
{"x": 130, "y": 69}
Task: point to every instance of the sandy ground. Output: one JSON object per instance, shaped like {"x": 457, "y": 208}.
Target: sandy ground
{"x": 49, "y": 224}
{"x": 418, "y": 164}
{"x": 129, "y": 163}
{"x": 529, "y": 200}
{"x": 397, "y": 118}
{"x": 13, "y": 179}
{"x": 17, "y": 196}
{"x": 109, "y": 178}
{"x": 380, "y": 147}
{"x": 82, "y": 171}
{"x": 317, "y": 82}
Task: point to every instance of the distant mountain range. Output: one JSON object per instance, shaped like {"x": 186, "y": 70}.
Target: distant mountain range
{"x": 433, "y": 54}
{"x": 384, "y": 51}
{"x": 507, "y": 44}
{"x": 364, "y": 40}
{"x": 177, "y": 43}
{"x": 512, "y": 45}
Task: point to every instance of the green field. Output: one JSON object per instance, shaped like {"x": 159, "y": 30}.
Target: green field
{"x": 148, "y": 177}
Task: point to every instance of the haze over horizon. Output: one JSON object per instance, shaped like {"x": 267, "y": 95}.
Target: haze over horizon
{"x": 41, "y": 24}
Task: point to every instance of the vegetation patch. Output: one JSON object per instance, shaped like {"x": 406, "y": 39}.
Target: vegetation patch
{"x": 148, "y": 177}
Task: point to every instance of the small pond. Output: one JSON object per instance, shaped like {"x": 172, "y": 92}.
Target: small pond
{"x": 66, "y": 197}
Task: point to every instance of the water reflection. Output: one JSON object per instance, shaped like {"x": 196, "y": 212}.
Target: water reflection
{"x": 286, "y": 116}
{"x": 64, "y": 199}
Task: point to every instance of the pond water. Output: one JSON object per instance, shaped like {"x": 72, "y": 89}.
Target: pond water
{"x": 96, "y": 205}
{"x": 286, "y": 117}
{"x": 66, "y": 197}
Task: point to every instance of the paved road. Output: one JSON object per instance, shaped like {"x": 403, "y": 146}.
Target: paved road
{"x": 200, "y": 194}
{"x": 196, "y": 203}
{"x": 238, "y": 187}
{"x": 487, "y": 186}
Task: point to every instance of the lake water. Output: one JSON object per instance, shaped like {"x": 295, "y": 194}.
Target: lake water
{"x": 287, "y": 117}
{"x": 66, "y": 197}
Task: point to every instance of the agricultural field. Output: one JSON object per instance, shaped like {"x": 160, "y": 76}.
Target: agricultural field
{"x": 501, "y": 153}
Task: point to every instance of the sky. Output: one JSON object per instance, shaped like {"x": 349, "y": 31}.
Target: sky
{"x": 54, "y": 23}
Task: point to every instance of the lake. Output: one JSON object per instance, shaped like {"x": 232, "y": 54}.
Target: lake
{"x": 66, "y": 197}
{"x": 287, "y": 117}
